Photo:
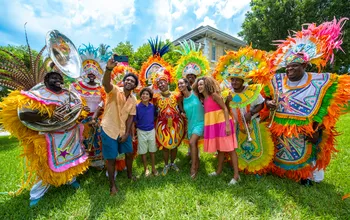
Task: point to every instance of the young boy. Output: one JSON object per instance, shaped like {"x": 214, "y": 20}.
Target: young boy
{"x": 144, "y": 119}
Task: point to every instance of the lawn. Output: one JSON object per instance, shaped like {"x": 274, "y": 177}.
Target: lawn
{"x": 176, "y": 196}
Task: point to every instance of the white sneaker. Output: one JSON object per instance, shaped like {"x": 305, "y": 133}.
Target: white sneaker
{"x": 213, "y": 174}
{"x": 233, "y": 181}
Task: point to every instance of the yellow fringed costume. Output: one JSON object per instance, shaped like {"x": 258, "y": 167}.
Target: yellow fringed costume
{"x": 255, "y": 149}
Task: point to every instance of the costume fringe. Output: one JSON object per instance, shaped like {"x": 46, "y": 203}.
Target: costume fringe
{"x": 34, "y": 147}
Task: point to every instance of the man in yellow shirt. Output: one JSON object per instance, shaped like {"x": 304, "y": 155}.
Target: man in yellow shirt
{"x": 119, "y": 112}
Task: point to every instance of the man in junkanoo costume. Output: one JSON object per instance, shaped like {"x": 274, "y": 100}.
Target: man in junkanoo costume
{"x": 89, "y": 88}
{"x": 305, "y": 106}
{"x": 170, "y": 124}
{"x": 43, "y": 117}
{"x": 255, "y": 149}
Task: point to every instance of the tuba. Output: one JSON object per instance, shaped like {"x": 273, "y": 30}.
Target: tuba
{"x": 67, "y": 59}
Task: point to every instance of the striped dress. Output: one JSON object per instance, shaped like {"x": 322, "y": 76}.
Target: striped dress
{"x": 215, "y": 138}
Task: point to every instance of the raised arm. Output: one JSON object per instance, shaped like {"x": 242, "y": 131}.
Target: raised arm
{"x": 106, "y": 81}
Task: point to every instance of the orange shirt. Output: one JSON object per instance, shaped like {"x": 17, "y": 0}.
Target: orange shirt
{"x": 116, "y": 112}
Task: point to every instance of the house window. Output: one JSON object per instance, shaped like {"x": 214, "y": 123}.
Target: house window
{"x": 213, "y": 53}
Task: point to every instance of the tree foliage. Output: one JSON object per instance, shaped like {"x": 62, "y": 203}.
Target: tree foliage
{"x": 138, "y": 57}
{"x": 271, "y": 20}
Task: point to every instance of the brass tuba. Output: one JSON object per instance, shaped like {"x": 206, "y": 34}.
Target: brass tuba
{"x": 66, "y": 58}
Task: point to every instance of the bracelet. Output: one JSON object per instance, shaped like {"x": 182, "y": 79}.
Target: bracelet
{"x": 109, "y": 69}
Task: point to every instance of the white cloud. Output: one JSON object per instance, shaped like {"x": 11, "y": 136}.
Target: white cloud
{"x": 207, "y": 21}
{"x": 81, "y": 21}
{"x": 227, "y": 9}
{"x": 180, "y": 28}
{"x": 203, "y": 7}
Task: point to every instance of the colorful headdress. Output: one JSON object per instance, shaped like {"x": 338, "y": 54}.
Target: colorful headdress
{"x": 313, "y": 44}
{"x": 119, "y": 72}
{"x": 191, "y": 62}
{"x": 16, "y": 75}
{"x": 93, "y": 61}
{"x": 246, "y": 63}
{"x": 155, "y": 63}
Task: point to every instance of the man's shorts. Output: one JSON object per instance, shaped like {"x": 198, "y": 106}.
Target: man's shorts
{"x": 111, "y": 148}
{"x": 196, "y": 129}
{"x": 146, "y": 141}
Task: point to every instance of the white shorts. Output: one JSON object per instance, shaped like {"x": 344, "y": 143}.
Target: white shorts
{"x": 146, "y": 141}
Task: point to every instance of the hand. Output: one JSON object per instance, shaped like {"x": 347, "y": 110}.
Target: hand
{"x": 93, "y": 123}
{"x": 183, "y": 114}
{"x": 111, "y": 63}
{"x": 271, "y": 104}
{"x": 123, "y": 138}
{"x": 228, "y": 129}
{"x": 229, "y": 97}
{"x": 86, "y": 108}
{"x": 247, "y": 117}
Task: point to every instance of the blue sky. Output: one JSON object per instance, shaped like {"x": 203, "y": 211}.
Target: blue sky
{"x": 113, "y": 21}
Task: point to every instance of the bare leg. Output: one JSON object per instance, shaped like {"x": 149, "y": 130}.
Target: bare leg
{"x": 129, "y": 160}
{"x": 221, "y": 156}
{"x": 173, "y": 154}
{"x": 111, "y": 169}
{"x": 144, "y": 161}
{"x": 234, "y": 160}
{"x": 166, "y": 156}
{"x": 194, "y": 153}
{"x": 153, "y": 161}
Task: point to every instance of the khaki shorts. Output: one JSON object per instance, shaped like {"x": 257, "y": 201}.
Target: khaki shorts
{"x": 146, "y": 141}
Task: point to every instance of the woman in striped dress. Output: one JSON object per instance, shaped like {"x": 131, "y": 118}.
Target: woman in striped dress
{"x": 219, "y": 135}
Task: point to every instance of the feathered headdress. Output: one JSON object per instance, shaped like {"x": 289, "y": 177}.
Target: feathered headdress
{"x": 119, "y": 72}
{"x": 16, "y": 75}
{"x": 246, "y": 63}
{"x": 93, "y": 61}
{"x": 192, "y": 61}
{"x": 313, "y": 44}
{"x": 155, "y": 62}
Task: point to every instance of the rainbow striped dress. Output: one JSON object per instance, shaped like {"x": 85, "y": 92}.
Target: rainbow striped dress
{"x": 215, "y": 138}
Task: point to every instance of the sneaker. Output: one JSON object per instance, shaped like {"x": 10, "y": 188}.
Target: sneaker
{"x": 213, "y": 174}
{"x": 75, "y": 185}
{"x": 147, "y": 173}
{"x": 174, "y": 167}
{"x": 165, "y": 170}
{"x": 233, "y": 181}
{"x": 34, "y": 202}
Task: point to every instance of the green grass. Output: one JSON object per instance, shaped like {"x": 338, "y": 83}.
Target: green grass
{"x": 176, "y": 196}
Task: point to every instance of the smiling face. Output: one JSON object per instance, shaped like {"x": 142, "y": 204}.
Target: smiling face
{"x": 201, "y": 86}
{"x": 91, "y": 77}
{"x": 191, "y": 78}
{"x": 182, "y": 85}
{"x": 145, "y": 96}
{"x": 129, "y": 83}
{"x": 237, "y": 83}
{"x": 54, "y": 82}
{"x": 163, "y": 85}
{"x": 295, "y": 71}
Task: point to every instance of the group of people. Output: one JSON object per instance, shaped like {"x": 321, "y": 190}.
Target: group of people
{"x": 258, "y": 120}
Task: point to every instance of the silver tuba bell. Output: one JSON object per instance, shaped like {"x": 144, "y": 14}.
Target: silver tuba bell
{"x": 67, "y": 59}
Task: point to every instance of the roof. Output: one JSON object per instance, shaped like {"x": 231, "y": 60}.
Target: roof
{"x": 210, "y": 32}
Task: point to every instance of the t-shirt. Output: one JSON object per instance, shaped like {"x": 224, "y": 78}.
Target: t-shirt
{"x": 194, "y": 110}
{"x": 116, "y": 112}
{"x": 145, "y": 116}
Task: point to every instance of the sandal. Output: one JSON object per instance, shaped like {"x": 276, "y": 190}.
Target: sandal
{"x": 155, "y": 173}
{"x": 147, "y": 173}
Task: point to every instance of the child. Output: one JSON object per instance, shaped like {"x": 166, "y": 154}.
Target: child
{"x": 219, "y": 132}
{"x": 145, "y": 116}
